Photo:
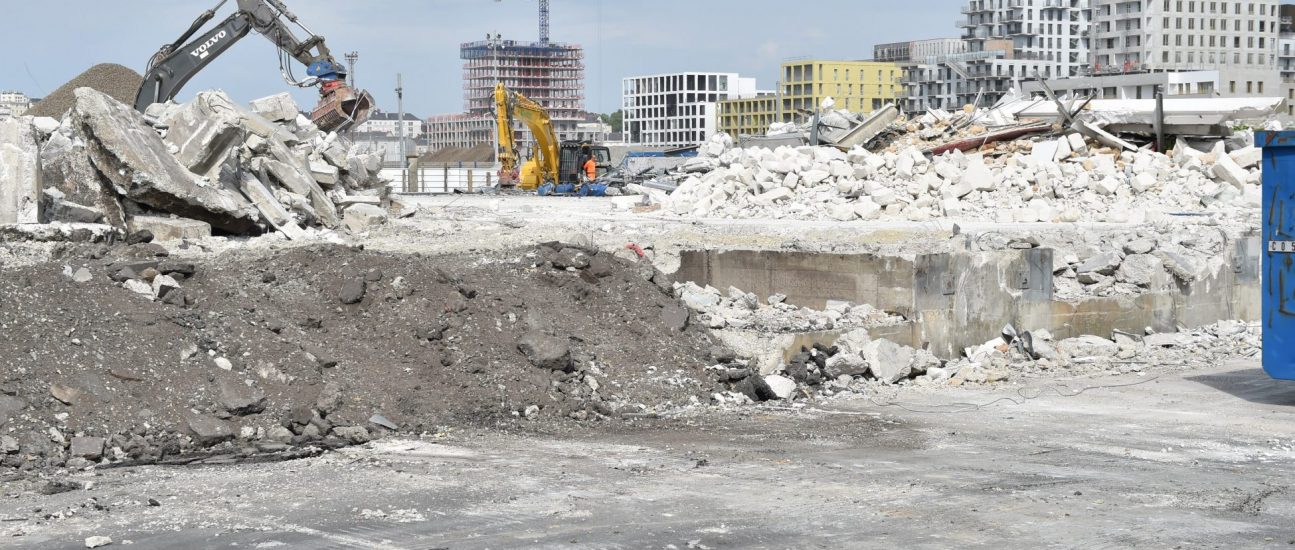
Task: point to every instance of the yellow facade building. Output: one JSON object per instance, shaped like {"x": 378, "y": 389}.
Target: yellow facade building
{"x": 749, "y": 116}
{"x": 858, "y": 86}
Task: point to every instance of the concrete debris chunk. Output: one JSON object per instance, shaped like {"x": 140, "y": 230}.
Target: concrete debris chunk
{"x": 140, "y": 166}
{"x": 359, "y": 218}
{"x": 887, "y": 361}
{"x": 544, "y": 351}
{"x": 19, "y": 171}
{"x": 169, "y": 228}
{"x": 89, "y": 448}
{"x": 276, "y": 108}
{"x": 204, "y": 131}
{"x": 97, "y": 541}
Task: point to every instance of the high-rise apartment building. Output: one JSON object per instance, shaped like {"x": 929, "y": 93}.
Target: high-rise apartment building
{"x": 549, "y": 73}
{"x": 1239, "y": 38}
{"x": 1022, "y": 39}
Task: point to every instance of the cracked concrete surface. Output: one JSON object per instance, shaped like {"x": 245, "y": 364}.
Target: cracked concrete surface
{"x": 1192, "y": 459}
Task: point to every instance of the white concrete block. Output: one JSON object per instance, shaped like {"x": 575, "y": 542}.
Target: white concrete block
{"x": 1227, "y": 170}
{"x": 1248, "y": 157}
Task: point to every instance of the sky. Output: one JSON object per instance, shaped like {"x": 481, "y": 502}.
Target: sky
{"x": 420, "y": 39}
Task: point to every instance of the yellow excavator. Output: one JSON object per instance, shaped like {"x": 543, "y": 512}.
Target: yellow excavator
{"x": 555, "y": 166}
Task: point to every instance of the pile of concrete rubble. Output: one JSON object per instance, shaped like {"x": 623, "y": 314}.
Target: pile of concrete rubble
{"x": 1068, "y": 179}
{"x": 184, "y": 170}
{"x": 744, "y": 311}
{"x": 856, "y": 363}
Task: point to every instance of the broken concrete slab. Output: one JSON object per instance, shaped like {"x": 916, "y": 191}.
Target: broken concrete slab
{"x": 203, "y": 131}
{"x": 125, "y": 149}
{"x": 325, "y": 174}
{"x": 1227, "y": 170}
{"x": 887, "y": 361}
{"x": 359, "y": 218}
{"x": 54, "y": 207}
{"x": 276, "y": 108}
{"x": 208, "y": 430}
{"x": 296, "y": 181}
{"x": 781, "y": 386}
{"x": 1247, "y": 157}
{"x": 238, "y": 398}
{"x": 170, "y": 228}
{"x": 89, "y": 448}
{"x": 546, "y": 352}
{"x": 270, "y": 208}
{"x": 20, "y": 177}
{"x": 66, "y": 166}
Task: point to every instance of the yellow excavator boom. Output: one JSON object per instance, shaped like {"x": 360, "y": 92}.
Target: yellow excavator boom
{"x": 511, "y": 105}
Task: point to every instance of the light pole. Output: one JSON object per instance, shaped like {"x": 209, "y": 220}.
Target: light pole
{"x": 351, "y": 58}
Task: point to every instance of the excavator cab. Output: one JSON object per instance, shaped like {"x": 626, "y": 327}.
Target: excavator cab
{"x": 340, "y": 107}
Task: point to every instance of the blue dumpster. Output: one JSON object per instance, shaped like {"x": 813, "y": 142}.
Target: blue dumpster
{"x": 1278, "y": 253}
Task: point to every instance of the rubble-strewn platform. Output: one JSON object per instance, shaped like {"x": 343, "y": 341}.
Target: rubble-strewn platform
{"x": 239, "y": 171}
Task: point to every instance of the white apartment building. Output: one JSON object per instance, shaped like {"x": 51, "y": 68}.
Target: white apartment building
{"x": 13, "y": 103}
{"x": 389, "y": 124}
{"x": 678, "y": 109}
{"x": 1036, "y": 38}
{"x": 1238, "y": 38}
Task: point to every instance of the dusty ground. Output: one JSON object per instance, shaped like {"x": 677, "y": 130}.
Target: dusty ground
{"x": 1201, "y": 459}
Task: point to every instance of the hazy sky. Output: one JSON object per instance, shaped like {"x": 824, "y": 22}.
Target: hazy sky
{"x": 49, "y": 42}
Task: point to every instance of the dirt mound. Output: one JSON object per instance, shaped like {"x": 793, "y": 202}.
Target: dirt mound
{"x": 306, "y": 346}
{"x": 122, "y": 83}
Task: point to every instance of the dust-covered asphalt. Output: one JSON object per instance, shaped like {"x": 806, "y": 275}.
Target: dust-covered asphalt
{"x": 1195, "y": 459}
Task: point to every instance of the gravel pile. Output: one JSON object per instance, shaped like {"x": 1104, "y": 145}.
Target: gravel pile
{"x": 122, "y": 83}
{"x": 329, "y": 346}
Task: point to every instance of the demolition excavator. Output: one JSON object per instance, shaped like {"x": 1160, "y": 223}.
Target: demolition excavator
{"x": 340, "y": 107}
{"x": 554, "y": 168}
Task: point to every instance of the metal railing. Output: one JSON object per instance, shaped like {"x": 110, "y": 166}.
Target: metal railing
{"x": 443, "y": 178}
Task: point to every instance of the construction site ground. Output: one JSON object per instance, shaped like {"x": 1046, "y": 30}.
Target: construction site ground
{"x": 1199, "y": 459}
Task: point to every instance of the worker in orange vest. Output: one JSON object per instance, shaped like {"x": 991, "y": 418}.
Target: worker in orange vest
{"x": 591, "y": 169}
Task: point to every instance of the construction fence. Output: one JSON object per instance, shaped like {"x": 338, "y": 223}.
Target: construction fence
{"x": 442, "y": 178}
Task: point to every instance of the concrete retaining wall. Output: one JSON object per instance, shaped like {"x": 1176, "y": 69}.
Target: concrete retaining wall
{"x": 956, "y": 300}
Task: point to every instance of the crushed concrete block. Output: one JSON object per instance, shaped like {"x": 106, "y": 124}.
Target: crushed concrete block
{"x": 170, "y": 229}
{"x": 1105, "y": 263}
{"x": 1088, "y": 346}
{"x": 1063, "y": 150}
{"x": 1077, "y": 144}
{"x": 1139, "y": 269}
{"x": 204, "y": 131}
{"x": 66, "y": 166}
{"x": 125, "y": 149}
{"x": 276, "y": 108}
{"x": 888, "y": 361}
{"x": 363, "y": 217}
{"x": 866, "y": 209}
{"x": 1227, "y": 170}
{"x": 777, "y": 194}
{"x": 325, "y": 174}
{"x": 1108, "y": 185}
{"x": 1139, "y": 246}
{"x": 54, "y": 207}
{"x": 1142, "y": 182}
{"x": 841, "y": 212}
{"x": 270, "y": 207}
{"x": 977, "y": 176}
{"x": 89, "y": 448}
{"x": 781, "y": 386}
{"x": 1247, "y": 158}
{"x": 297, "y": 181}
{"x": 20, "y": 177}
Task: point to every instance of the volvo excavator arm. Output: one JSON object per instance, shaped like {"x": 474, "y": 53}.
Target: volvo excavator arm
{"x": 175, "y": 64}
{"x": 510, "y": 106}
